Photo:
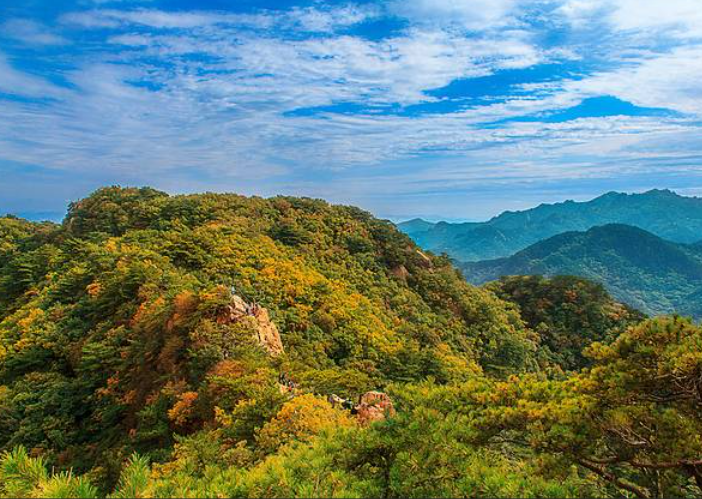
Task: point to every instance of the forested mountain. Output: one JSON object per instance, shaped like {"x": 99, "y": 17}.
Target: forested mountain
{"x": 661, "y": 212}
{"x": 638, "y": 268}
{"x": 222, "y": 346}
{"x": 567, "y": 312}
{"x": 416, "y": 226}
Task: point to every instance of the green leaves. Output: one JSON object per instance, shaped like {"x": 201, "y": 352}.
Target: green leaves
{"x": 134, "y": 478}
{"x": 115, "y": 339}
{"x": 568, "y": 314}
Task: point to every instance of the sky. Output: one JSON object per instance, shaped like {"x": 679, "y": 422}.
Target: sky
{"x": 445, "y": 109}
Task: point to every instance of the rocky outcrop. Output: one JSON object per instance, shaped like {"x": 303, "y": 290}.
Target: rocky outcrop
{"x": 374, "y": 406}
{"x": 267, "y": 333}
{"x": 400, "y": 272}
{"x": 424, "y": 260}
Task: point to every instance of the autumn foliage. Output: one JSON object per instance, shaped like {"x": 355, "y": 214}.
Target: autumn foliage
{"x": 119, "y": 377}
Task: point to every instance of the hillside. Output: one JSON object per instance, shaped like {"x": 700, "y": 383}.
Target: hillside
{"x": 119, "y": 311}
{"x": 568, "y": 313}
{"x": 637, "y": 267}
{"x": 216, "y": 345}
{"x": 661, "y": 212}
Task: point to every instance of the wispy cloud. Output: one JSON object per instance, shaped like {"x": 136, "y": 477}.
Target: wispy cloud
{"x": 305, "y": 97}
{"x": 677, "y": 17}
{"x": 30, "y": 32}
{"x": 479, "y": 15}
{"x": 22, "y": 84}
{"x": 667, "y": 79}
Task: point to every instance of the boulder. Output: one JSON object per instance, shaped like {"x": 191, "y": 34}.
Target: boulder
{"x": 374, "y": 406}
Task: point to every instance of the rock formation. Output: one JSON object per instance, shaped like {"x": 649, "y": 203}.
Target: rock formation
{"x": 267, "y": 333}
{"x": 424, "y": 260}
{"x": 374, "y": 406}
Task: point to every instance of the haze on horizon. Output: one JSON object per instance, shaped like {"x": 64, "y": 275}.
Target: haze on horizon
{"x": 441, "y": 109}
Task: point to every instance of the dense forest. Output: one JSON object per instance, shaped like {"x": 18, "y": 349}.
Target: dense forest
{"x": 222, "y": 346}
{"x": 636, "y": 267}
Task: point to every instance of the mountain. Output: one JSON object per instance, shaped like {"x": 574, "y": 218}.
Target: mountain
{"x": 141, "y": 303}
{"x": 567, "y": 312}
{"x": 216, "y": 345}
{"x": 637, "y": 267}
{"x": 416, "y": 226}
{"x": 661, "y": 212}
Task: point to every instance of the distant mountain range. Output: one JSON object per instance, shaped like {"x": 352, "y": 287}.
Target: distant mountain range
{"x": 637, "y": 267}
{"x": 660, "y": 212}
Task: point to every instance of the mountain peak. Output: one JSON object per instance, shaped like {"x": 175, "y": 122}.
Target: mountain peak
{"x": 662, "y": 193}
{"x": 415, "y": 226}
{"x": 649, "y": 193}
{"x": 611, "y": 195}
{"x": 662, "y": 212}
{"x": 636, "y": 266}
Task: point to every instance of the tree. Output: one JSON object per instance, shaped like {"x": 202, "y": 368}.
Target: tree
{"x": 300, "y": 419}
{"x": 568, "y": 313}
{"x": 633, "y": 419}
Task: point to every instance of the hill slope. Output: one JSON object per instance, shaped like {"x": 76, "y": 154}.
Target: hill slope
{"x": 119, "y": 328}
{"x": 196, "y": 346}
{"x": 567, "y": 312}
{"x": 637, "y": 267}
{"x": 661, "y": 212}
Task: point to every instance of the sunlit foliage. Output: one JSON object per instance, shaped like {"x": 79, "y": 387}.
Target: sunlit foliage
{"x": 119, "y": 377}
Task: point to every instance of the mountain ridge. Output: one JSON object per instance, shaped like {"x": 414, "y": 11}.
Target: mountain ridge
{"x": 662, "y": 212}
{"x": 636, "y": 266}
{"x": 212, "y": 346}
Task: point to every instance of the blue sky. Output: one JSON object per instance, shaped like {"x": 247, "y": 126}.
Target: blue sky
{"x": 453, "y": 109}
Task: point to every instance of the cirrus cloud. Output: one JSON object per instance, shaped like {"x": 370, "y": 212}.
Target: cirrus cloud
{"x": 460, "y": 93}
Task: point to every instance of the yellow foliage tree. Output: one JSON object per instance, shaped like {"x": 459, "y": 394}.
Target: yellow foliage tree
{"x": 301, "y": 419}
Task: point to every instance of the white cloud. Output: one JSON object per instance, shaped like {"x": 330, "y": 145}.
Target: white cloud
{"x": 675, "y": 17}
{"x": 23, "y": 84}
{"x": 30, "y": 32}
{"x": 106, "y": 18}
{"x": 478, "y": 15}
{"x": 309, "y": 19}
{"x": 89, "y": 20}
{"x": 313, "y": 19}
{"x": 685, "y": 15}
{"x": 669, "y": 80}
{"x": 212, "y": 93}
{"x": 322, "y": 70}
